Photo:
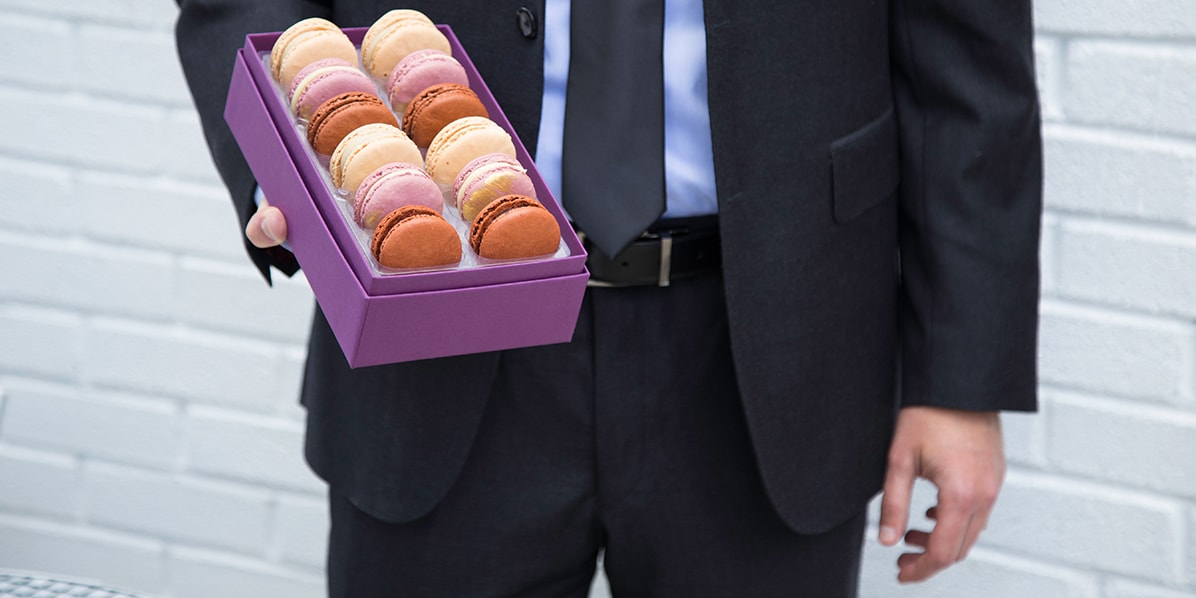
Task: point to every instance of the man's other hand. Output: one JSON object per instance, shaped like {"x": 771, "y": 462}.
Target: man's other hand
{"x": 961, "y": 453}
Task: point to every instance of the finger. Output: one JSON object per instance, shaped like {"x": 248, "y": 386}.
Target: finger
{"x": 945, "y": 541}
{"x": 267, "y": 227}
{"x": 917, "y": 538}
{"x": 907, "y": 560}
{"x": 977, "y": 525}
{"x": 894, "y": 505}
{"x": 274, "y": 224}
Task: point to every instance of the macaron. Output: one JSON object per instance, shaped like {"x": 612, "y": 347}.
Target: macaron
{"x": 319, "y": 64}
{"x": 420, "y": 70}
{"x": 321, "y": 81}
{"x": 459, "y": 143}
{"x": 391, "y": 187}
{"x": 514, "y": 226}
{"x": 436, "y": 106}
{"x": 487, "y": 178}
{"x": 395, "y": 35}
{"x": 415, "y": 237}
{"x": 366, "y": 148}
{"x": 305, "y": 42}
{"x": 341, "y": 114}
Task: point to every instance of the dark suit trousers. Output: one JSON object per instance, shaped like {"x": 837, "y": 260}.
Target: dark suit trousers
{"x": 630, "y": 440}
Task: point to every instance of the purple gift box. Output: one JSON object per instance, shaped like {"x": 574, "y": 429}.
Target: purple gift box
{"x": 385, "y": 317}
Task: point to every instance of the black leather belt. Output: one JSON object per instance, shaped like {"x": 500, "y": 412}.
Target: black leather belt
{"x": 670, "y": 250}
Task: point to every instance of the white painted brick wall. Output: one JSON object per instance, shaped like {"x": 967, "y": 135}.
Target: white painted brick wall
{"x": 149, "y": 433}
{"x": 1126, "y": 354}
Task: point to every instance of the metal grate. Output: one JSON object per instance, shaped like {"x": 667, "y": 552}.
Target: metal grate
{"x": 20, "y": 585}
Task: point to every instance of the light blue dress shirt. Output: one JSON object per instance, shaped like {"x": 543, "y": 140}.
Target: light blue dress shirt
{"x": 689, "y": 159}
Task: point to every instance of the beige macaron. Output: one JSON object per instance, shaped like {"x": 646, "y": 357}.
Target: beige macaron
{"x": 395, "y": 35}
{"x": 459, "y": 142}
{"x": 305, "y": 42}
{"x": 366, "y": 148}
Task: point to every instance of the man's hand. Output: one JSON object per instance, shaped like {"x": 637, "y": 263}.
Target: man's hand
{"x": 267, "y": 227}
{"x": 961, "y": 453}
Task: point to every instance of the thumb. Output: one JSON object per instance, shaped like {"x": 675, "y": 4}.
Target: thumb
{"x": 267, "y": 227}
{"x": 894, "y": 504}
{"x": 274, "y": 225}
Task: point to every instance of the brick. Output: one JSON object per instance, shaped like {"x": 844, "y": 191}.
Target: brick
{"x": 86, "y": 276}
{"x": 38, "y": 482}
{"x": 128, "y": 13}
{"x": 1048, "y": 253}
{"x": 32, "y": 186}
{"x": 280, "y": 312}
{"x": 189, "y": 158}
{"x": 85, "y": 131}
{"x": 156, "y": 214}
{"x": 177, "y": 508}
{"x": 1140, "y": 86}
{"x": 182, "y": 363}
{"x": 203, "y": 574}
{"x": 108, "y": 558}
{"x": 1139, "y": 268}
{"x": 1111, "y": 353}
{"x": 1125, "y": 443}
{"x": 290, "y": 381}
{"x": 1114, "y": 174}
{"x": 39, "y": 342}
{"x": 985, "y": 574}
{"x": 256, "y": 449}
{"x": 37, "y": 51}
{"x": 301, "y": 530}
{"x": 1048, "y": 65}
{"x": 1024, "y": 437}
{"x": 1067, "y": 521}
{"x": 135, "y": 65}
{"x": 1141, "y": 18}
{"x": 1190, "y": 561}
{"x": 125, "y": 429}
{"x": 1121, "y": 588}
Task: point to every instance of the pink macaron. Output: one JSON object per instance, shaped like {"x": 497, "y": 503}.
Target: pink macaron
{"x": 487, "y": 178}
{"x": 319, "y": 83}
{"x": 307, "y": 70}
{"x": 390, "y": 187}
{"x": 420, "y": 70}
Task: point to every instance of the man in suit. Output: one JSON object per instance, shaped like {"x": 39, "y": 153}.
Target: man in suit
{"x": 877, "y": 177}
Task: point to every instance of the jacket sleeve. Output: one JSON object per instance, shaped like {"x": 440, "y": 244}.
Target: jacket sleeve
{"x": 208, "y": 34}
{"x": 970, "y": 202}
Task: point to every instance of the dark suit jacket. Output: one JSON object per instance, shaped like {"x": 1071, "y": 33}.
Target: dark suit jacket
{"x": 878, "y": 170}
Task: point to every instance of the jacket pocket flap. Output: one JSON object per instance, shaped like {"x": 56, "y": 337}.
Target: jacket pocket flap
{"x": 864, "y": 167}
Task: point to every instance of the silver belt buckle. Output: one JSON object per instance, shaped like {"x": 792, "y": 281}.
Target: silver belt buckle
{"x": 664, "y": 273}
{"x": 666, "y": 258}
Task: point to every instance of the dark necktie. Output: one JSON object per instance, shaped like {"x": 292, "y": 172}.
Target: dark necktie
{"x": 612, "y": 166}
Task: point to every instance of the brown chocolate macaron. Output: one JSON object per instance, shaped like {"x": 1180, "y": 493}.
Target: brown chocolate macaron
{"x": 514, "y": 226}
{"x": 415, "y": 236}
{"x": 437, "y": 106}
{"x": 340, "y": 115}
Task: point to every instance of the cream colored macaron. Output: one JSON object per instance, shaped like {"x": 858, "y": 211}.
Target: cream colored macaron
{"x": 366, "y": 148}
{"x": 459, "y": 142}
{"x": 305, "y": 42}
{"x": 395, "y": 35}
